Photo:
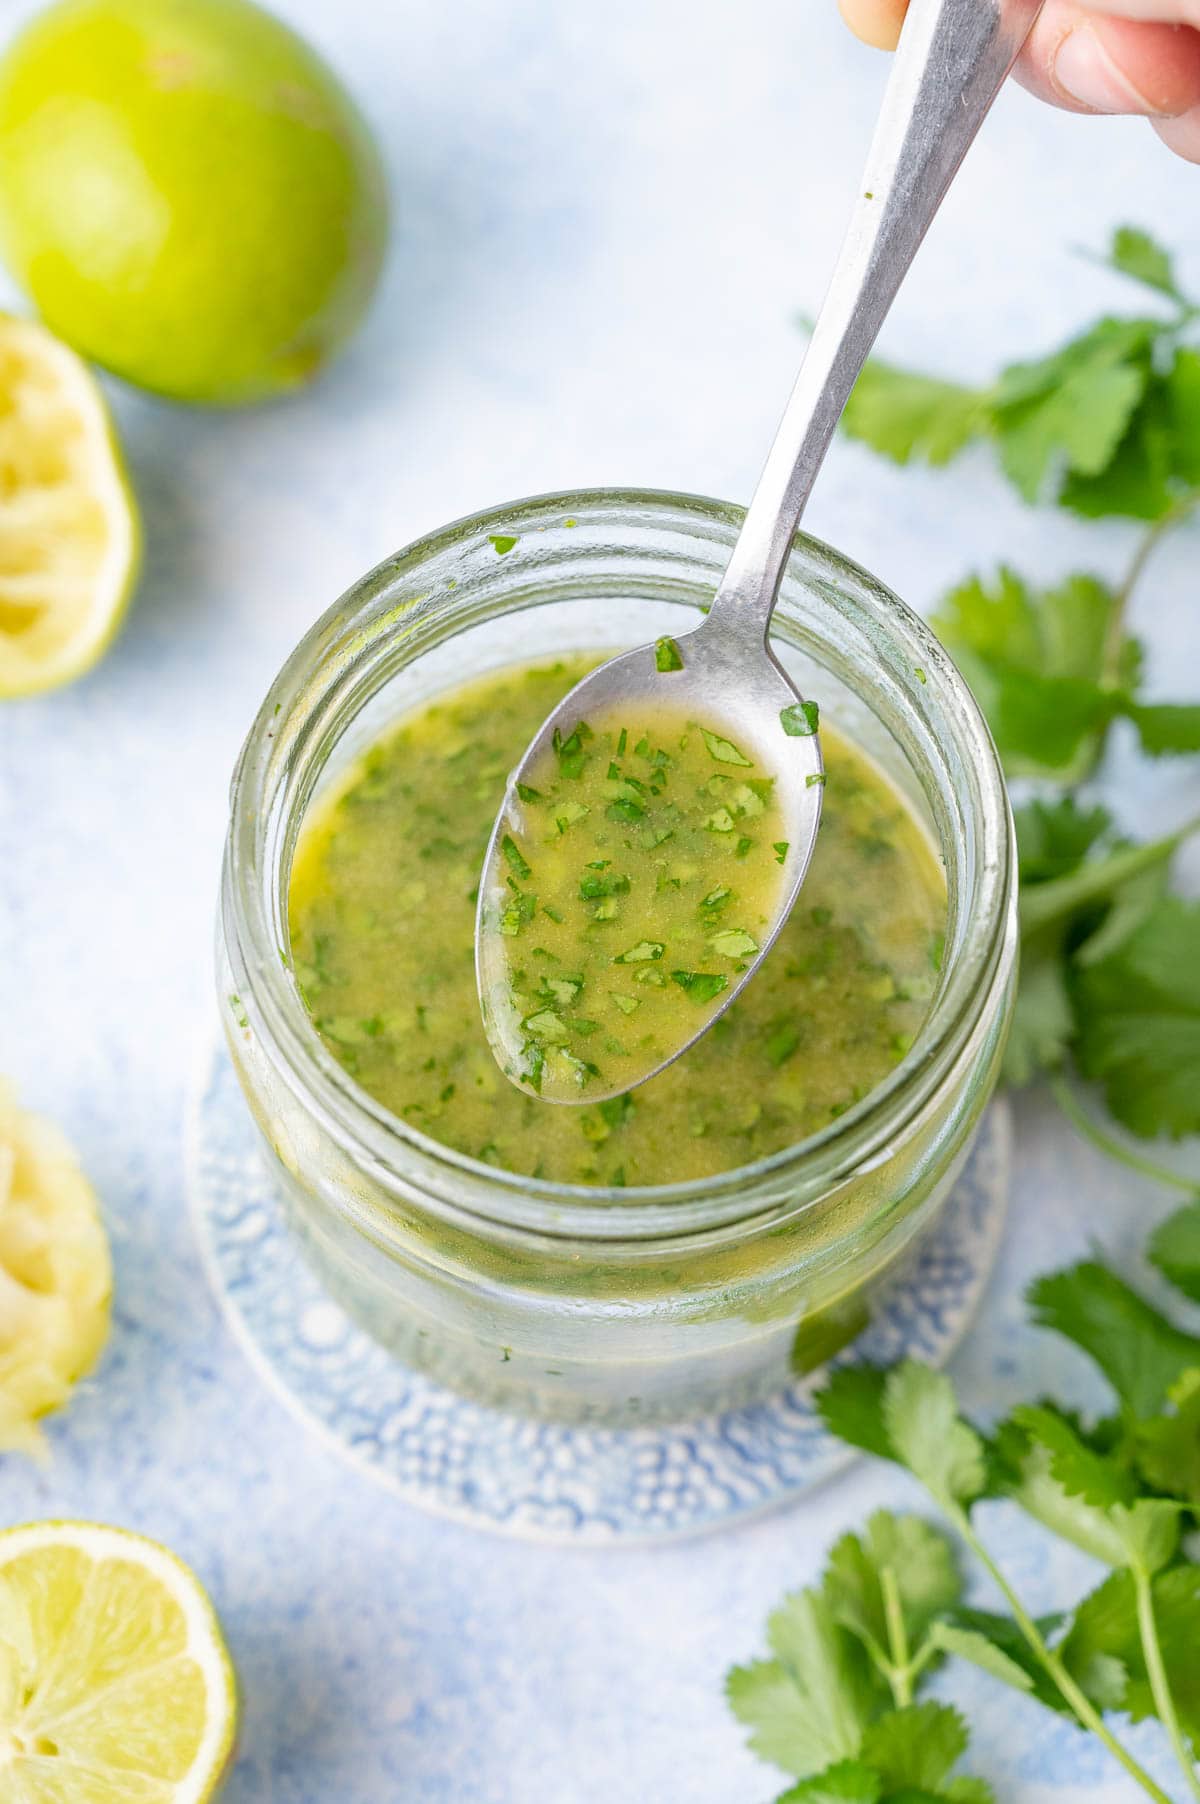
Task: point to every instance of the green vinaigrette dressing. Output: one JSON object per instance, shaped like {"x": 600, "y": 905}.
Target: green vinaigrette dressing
{"x": 641, "y": 875}
{"x": 382, "y": 918}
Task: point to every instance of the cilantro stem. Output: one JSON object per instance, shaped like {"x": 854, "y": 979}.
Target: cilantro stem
{"x": 1114, "y": 635}
{"x": 901, "y": 1674}
{"x": 1059, "y": 898}
{"x": 1078, "y": 1116}
{"x": 1160, "y": 1686}
{"x": 1080, "y": 1703}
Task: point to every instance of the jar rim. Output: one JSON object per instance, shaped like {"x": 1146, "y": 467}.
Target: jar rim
{"x": 276, "y": 1015}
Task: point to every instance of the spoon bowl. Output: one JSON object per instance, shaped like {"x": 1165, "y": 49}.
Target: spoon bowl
{"x": 717, "y": 681}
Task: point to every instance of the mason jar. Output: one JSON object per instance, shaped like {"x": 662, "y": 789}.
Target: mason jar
{"x": 577, "y": 1302}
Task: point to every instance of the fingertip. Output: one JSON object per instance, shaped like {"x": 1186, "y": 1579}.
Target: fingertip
{"x": 876, "y": 22}
{"x": 1181, "y": 134}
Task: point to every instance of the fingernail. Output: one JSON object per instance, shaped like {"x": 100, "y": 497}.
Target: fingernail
{"x": 1086, "y": 73}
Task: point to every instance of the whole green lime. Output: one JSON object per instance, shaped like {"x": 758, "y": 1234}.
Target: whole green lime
{"x": 188, "y": 193}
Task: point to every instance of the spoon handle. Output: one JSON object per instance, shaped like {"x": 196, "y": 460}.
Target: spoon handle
{"x": 952, "y": 61}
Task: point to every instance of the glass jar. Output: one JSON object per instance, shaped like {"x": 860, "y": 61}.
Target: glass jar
{"x": 579, "y": 1303}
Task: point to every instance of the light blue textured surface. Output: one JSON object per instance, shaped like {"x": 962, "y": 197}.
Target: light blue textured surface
{"x": 606, "y": 219}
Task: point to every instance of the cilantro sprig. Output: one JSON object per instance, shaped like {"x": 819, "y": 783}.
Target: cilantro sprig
{"x": 1107, "y": 424}
{"x": 836, "y": 1703}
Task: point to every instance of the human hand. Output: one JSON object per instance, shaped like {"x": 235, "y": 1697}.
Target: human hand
{"x": 1095, "y": 56}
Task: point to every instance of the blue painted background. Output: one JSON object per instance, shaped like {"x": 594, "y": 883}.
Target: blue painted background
{"x": 606, "y": 221}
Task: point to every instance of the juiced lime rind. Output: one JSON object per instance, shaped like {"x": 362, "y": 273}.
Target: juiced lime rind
{"x": 76, "y": 617}
{"x": 188, "y": 193}
{"x": 40, "y": 1542}
{"x": 55, "y": 1274}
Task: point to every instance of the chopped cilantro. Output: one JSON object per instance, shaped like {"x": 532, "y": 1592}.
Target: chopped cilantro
{"x": 569, "y": 751}
{"x": 782, "y": 1041}
{"x": 547, "y": 1025}
{"x": 567, "y": 813}
{"x": 601, "y": 884}
{"x": 639, "y": 954}
{"x": 514, "y": 858}
{"x": 517, "y": 915}
{"x": 667, "y": 655}
{"x": 800, "y": 720}
{"x": 625, "y": 809}
{"x": 701, "y": 986}
{"x": 617, "y": 1110}
{"x": 724, "y": 750}
{"x": 502, "y": 542}
{"x": 561, "y": 990}
{"x": 780, "y": 847}
{"x": 815, "y": 780}
{"x": 733, "y": 942}
{"x": 527, "y": 793}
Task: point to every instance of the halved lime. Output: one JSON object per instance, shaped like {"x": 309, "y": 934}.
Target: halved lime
{"x": 115, "y": 1683}
{"x": 55, "y": 1275}
{"x": 69, "y": 538}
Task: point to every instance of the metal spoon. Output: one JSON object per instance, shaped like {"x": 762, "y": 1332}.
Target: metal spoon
{"x": 952, "y": 60}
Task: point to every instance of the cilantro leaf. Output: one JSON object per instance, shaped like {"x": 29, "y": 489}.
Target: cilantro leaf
{"x": 851, "y": 1407}
{"x": 1175, "y": 1249}
{"x": 920, "y": 1411}
{"x": 920, "y": 1564}
{"x": 1005, "y": 1637}
{"x": 849, "y": 1782}
{"x": 1148, "y": 1531}
{"x": 981, "y": 1651}
{"x": 1105, "y": 1628}
{"x": 1183, "y": 415}
{"x": 1138, "y": 1021}
{"x": 1168, "y": 1446}
{"x": 1139, "y": 1351}
{"x": 1044, "y": 1497}
{"x": 1166, "y": 727}
{"x": 807, "y": 1707}
{"x": 1078, "y": 1468}
{"x": 1043, "y": 1023}
{"x": 1129, "y": 906}
{"x": 1067, "y": 412}
{"x": 904, "y": 415}
{"x": 1134, "y": 253}
{"x": 915, "y": 1747}
{"x": 1054, "y": 837}
{"x": 1036, "y": 662}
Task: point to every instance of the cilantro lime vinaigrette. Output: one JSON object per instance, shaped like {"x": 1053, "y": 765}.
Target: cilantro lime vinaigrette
{"x": 642, "y": 869}
{"x": 642, "y": 874}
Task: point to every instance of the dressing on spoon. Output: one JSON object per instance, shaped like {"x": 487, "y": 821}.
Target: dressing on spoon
{"x": 723, "y": 677}
{"x": 604, "y": 951}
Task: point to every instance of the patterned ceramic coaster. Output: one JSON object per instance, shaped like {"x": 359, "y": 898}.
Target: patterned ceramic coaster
{"x": 536, "y": 1479}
